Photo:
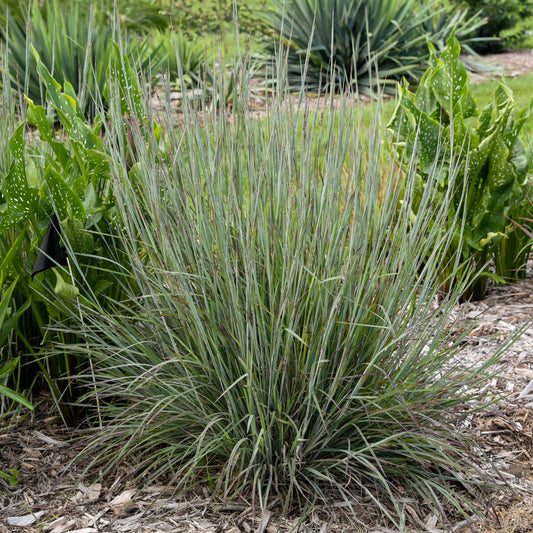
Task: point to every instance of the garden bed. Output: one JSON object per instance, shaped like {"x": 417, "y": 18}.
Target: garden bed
{"x": 53, "y": 488}
{"x": 42, "y": 450}
{"x": 511, "y": 64}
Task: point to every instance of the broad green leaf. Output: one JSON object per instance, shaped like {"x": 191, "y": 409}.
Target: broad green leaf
{"x": 5, "y": 303}
{"x": 450, "y": 78}
{"x": 63, "y": 289}
{"x": 64, "y": 104}
{"x": 94, "y": 163}
{"x": 428, "y": 140}
{"x": 15, "y": 396}
{"x": 18, "y": 195}
{"x": 513, "y": 128}
{"x": 64, "y": 199}
{"x": 69, "y": 91}
{"x": 91, "y": 200}
{"x": 519, "y": 157}
{"x": 130, "y": 93}
{"x": 37, "y": 116}
{"x": 490, "y": 237}
{"x": 7, "y": 263}
{"x": 79, "y": 239}
{"x": 45, "y": 126}
{"x": 10, "y": 323}
{"x": 501, "y": 171}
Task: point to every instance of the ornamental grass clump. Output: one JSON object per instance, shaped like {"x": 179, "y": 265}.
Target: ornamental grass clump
{"x": 277, "y": 337}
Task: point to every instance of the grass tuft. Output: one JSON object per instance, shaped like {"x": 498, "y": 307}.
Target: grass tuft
{"x": 278, "y": 335}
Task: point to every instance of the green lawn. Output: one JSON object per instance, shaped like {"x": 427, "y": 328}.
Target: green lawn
{"x": 481, "y": 92}
{"x": 213, "y": 21}
{"x": 521, "y": 87}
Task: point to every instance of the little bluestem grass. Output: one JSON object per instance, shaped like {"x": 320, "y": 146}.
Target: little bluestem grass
{"x": 278, "y": 335}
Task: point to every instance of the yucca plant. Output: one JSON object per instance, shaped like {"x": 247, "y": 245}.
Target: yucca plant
{"x": 366, "y": 45}
{"x": 464, "y": 23}
{"x": 280, "y": 339}
{"x": 73, "y": 41}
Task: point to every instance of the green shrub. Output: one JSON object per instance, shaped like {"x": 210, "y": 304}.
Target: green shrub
{"x": 439, "y": 126}
{"x": 213, "y": 17}
{"x": 280, "y": 337}
{"x": 504, "y": 18}
{"x": 357, "y": 43}
{"x": 139, "y": 16}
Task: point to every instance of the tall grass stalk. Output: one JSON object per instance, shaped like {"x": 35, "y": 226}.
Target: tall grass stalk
{"x": 279, "y": 337}
{"x": 7, "y": 111}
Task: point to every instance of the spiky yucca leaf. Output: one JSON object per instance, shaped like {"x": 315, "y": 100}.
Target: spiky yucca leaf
{"x": 362, "y": 44}
{"x": 74, "y": 43}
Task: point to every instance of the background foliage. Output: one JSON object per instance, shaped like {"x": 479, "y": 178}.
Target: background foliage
{"x": 506, "y": 22}
{"x": 357, "y": 43}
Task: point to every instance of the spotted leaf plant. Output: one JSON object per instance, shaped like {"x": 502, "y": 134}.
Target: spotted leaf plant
{"x": 66, "y": 171}
{"x": 439, "y": 125}
{"x": 77, "y": 166}
{"x": 18, "y": 197}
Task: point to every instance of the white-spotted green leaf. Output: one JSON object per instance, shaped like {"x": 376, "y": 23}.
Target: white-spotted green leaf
{"x": 65, "y": 201}
{"x": 450, "y": 79}
{"x": 501, "y": 171}
{"x": 439, "y": 124}
{"x": 64, "y": 104}
{"x": 130, "y": 92}
{"x": 94, "y": 162}
{"x": 18, "y": 196}
{"x": 37, "y": 116}
{"x": 80, "y": 240}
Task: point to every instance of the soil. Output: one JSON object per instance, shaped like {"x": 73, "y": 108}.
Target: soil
{"x": 53, "y": 495}
{"x": 511, "y": 64}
